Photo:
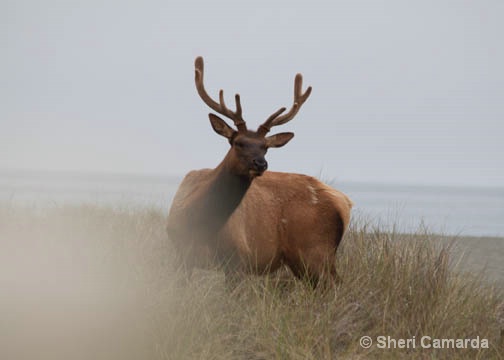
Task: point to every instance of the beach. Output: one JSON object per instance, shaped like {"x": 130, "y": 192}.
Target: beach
{"x": 85, "y": 281}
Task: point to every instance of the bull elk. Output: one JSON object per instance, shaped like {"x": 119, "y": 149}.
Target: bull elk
{"x": 247, "y": 219}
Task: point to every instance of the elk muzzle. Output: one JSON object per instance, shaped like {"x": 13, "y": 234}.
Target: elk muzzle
{"x": 259, "y": 165}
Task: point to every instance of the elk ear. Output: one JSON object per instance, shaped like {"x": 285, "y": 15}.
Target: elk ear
{"x": 220, "y": 126}
{"x": 279, "y": 140}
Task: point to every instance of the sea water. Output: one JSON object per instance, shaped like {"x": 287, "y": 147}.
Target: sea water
{"x": 453, "y": 210}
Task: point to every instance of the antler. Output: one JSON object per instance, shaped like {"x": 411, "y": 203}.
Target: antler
{"x": 299, "y": 99}
{"x": 220, "y": 106}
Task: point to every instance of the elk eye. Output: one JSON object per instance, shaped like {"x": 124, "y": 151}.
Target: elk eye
{"x": 239, "y": 144}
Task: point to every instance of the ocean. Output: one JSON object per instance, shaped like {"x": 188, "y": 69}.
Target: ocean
{"x": 464, "y": 211}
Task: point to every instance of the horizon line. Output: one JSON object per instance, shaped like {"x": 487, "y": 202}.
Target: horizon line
{"x": 329, "y": 181}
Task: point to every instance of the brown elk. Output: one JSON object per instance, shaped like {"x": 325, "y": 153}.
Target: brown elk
{"x": 247, "y": 219}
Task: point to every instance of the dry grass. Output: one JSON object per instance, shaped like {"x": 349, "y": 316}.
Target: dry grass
{"x": 92, "y": 282}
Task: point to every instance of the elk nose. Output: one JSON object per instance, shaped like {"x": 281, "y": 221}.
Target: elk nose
{"x": 260, "y": 164}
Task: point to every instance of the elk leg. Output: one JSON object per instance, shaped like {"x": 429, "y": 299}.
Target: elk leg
{"x": 301, "y": 271}
{"x": 316, "y": 267}
{"x": 334, "y": 276}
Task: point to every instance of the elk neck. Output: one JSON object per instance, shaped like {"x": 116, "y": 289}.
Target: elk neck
{"x": 228, "y": 188}
{"x": 223, "y": 195}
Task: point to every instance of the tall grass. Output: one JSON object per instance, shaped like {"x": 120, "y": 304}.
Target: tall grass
{"x": 100, "y": 283}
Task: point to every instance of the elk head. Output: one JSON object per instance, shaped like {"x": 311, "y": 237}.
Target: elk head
{"x": 248, "y": 148}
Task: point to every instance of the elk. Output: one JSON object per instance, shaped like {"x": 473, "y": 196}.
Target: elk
{"x": 249, "y": 220}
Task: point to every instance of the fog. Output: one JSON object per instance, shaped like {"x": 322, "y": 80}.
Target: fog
{"x": 403, "y": 92}
{"x": 81, "y": 282}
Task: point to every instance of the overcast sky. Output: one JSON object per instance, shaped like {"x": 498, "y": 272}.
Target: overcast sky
{"x": 403, "y": 91}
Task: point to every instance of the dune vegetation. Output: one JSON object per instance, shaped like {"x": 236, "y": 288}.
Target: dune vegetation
{"x": 86, "y": 282}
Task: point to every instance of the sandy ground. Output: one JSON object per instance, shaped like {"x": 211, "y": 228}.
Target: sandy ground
{"x": 480, "y": 254}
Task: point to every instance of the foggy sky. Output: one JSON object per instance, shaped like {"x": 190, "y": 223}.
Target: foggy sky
{"x": 403, "y": 91}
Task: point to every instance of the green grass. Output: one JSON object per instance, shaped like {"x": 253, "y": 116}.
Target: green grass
{"x": 93, "y": 282}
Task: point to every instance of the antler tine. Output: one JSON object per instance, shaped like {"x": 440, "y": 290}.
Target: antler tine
{"x": 299, "y": 99}
{"x": 220, "y": 107}
{"x": 265, "y": 127}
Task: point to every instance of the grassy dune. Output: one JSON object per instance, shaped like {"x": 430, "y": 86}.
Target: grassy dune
{"x": 87, "y": 282}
